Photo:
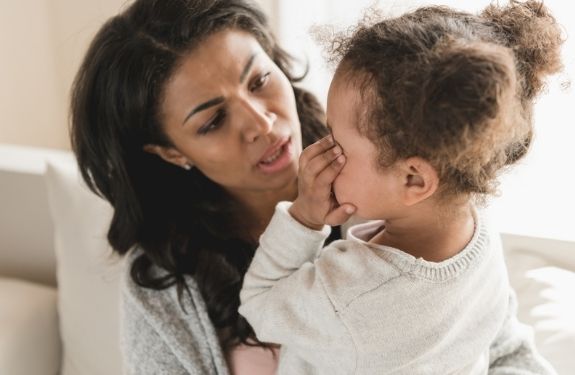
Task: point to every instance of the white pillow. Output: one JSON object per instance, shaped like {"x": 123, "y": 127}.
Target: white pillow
{"x": 87, "y": 274}
{"x": 541, "y": 272}
{"x": 547, "y": 303}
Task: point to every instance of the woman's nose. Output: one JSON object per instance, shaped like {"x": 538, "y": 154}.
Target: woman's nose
{"x": 259, "y": 121}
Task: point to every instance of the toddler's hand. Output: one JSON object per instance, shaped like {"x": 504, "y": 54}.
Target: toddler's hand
{"x": 319, "y": 165}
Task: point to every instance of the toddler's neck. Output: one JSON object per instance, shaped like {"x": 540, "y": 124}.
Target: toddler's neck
{"x": 425, "y": 234}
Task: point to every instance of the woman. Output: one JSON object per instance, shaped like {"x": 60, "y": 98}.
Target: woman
{"x": 185, "y": 118}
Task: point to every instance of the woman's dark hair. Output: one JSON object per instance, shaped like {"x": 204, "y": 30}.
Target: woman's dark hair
{"x": 452, "y": 87}
{"x": 180, "y": 219}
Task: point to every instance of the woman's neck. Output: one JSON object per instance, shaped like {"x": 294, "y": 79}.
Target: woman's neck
{"x": 256, "y": 209}
{"x": 424, "y": 233}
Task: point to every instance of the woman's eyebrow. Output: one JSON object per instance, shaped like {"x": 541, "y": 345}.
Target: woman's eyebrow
{"x": 203, "y": 106}
{"x": 220, "y": 99}
{"x": 247, "y": 67}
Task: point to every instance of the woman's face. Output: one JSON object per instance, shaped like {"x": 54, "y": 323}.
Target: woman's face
{"x": 230, "y": 112}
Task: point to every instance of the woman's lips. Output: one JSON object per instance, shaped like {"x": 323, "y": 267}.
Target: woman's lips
{"x": 277, "y": 159}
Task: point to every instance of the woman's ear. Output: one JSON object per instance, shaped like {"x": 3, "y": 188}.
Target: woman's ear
{"x": 420, "y": 180}
{"x": 169, "y": 154}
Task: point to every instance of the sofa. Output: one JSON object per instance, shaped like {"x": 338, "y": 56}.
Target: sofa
{"x": 59, "y": 278}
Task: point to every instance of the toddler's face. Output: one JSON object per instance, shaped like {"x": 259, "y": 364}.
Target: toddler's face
{"x": 370, "y": 188}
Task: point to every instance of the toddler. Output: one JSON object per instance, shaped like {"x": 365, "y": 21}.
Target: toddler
{"x": 425, "y": 110}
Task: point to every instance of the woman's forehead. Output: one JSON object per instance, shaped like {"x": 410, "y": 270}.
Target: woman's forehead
{"x": 227, "y": 48}
{"x": 219, "y": 64}
{"x": 222, "y": 56}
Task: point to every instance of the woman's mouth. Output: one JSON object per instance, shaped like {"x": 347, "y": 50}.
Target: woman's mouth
{"x": 277, "y": 159}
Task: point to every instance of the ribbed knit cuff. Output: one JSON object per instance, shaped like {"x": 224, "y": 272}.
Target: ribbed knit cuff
{"x": 290, "y": 239}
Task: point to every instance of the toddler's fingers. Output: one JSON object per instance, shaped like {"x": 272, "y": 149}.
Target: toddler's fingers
{"x": 322, "y": 162}
{"x": 315, "y": 149}
{"x": 330, "y": 172}
{"x": 340, "y": 215}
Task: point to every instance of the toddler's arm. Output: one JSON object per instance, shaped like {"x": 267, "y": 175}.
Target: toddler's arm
{"x": 283, "y": 297}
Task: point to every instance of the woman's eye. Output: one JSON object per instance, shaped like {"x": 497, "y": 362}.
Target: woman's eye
{"x": 260, "y": 81}
{"x": 213, "y": 123}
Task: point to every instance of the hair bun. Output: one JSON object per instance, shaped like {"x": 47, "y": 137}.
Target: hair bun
{"x": 468, "y": 88}
{"x": 529, "y": 29}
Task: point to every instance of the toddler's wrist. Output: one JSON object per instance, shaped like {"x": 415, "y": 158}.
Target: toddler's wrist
{"x": 296, "y": 213}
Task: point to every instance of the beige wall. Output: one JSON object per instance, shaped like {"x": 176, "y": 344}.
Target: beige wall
{"x": 42, "y": 43}
{"x": 30, "y": 100}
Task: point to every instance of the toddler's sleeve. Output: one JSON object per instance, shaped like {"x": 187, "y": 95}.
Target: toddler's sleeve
{"x": 283, "y": 297}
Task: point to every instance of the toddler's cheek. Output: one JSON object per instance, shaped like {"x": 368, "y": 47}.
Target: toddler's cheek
{"x": 337, "y": 188}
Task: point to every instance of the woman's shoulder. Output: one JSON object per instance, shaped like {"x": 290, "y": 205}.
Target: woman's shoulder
{"x": 154, "y": 300}
{"x": 172, "y": 331}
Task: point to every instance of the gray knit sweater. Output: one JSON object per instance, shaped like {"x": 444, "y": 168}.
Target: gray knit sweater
{"x": 157, "y": 337}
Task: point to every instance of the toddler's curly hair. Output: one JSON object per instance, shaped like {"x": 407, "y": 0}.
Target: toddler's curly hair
{"x": 452, "y": 87}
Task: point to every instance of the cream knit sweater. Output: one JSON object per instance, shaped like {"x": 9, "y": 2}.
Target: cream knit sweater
{"x": 359, "y": 308}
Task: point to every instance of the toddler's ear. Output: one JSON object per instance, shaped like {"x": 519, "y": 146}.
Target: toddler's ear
{"x": 420, "y": 180}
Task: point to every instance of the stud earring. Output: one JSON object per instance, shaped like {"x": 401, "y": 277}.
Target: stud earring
{"x": 187, "y": 166}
